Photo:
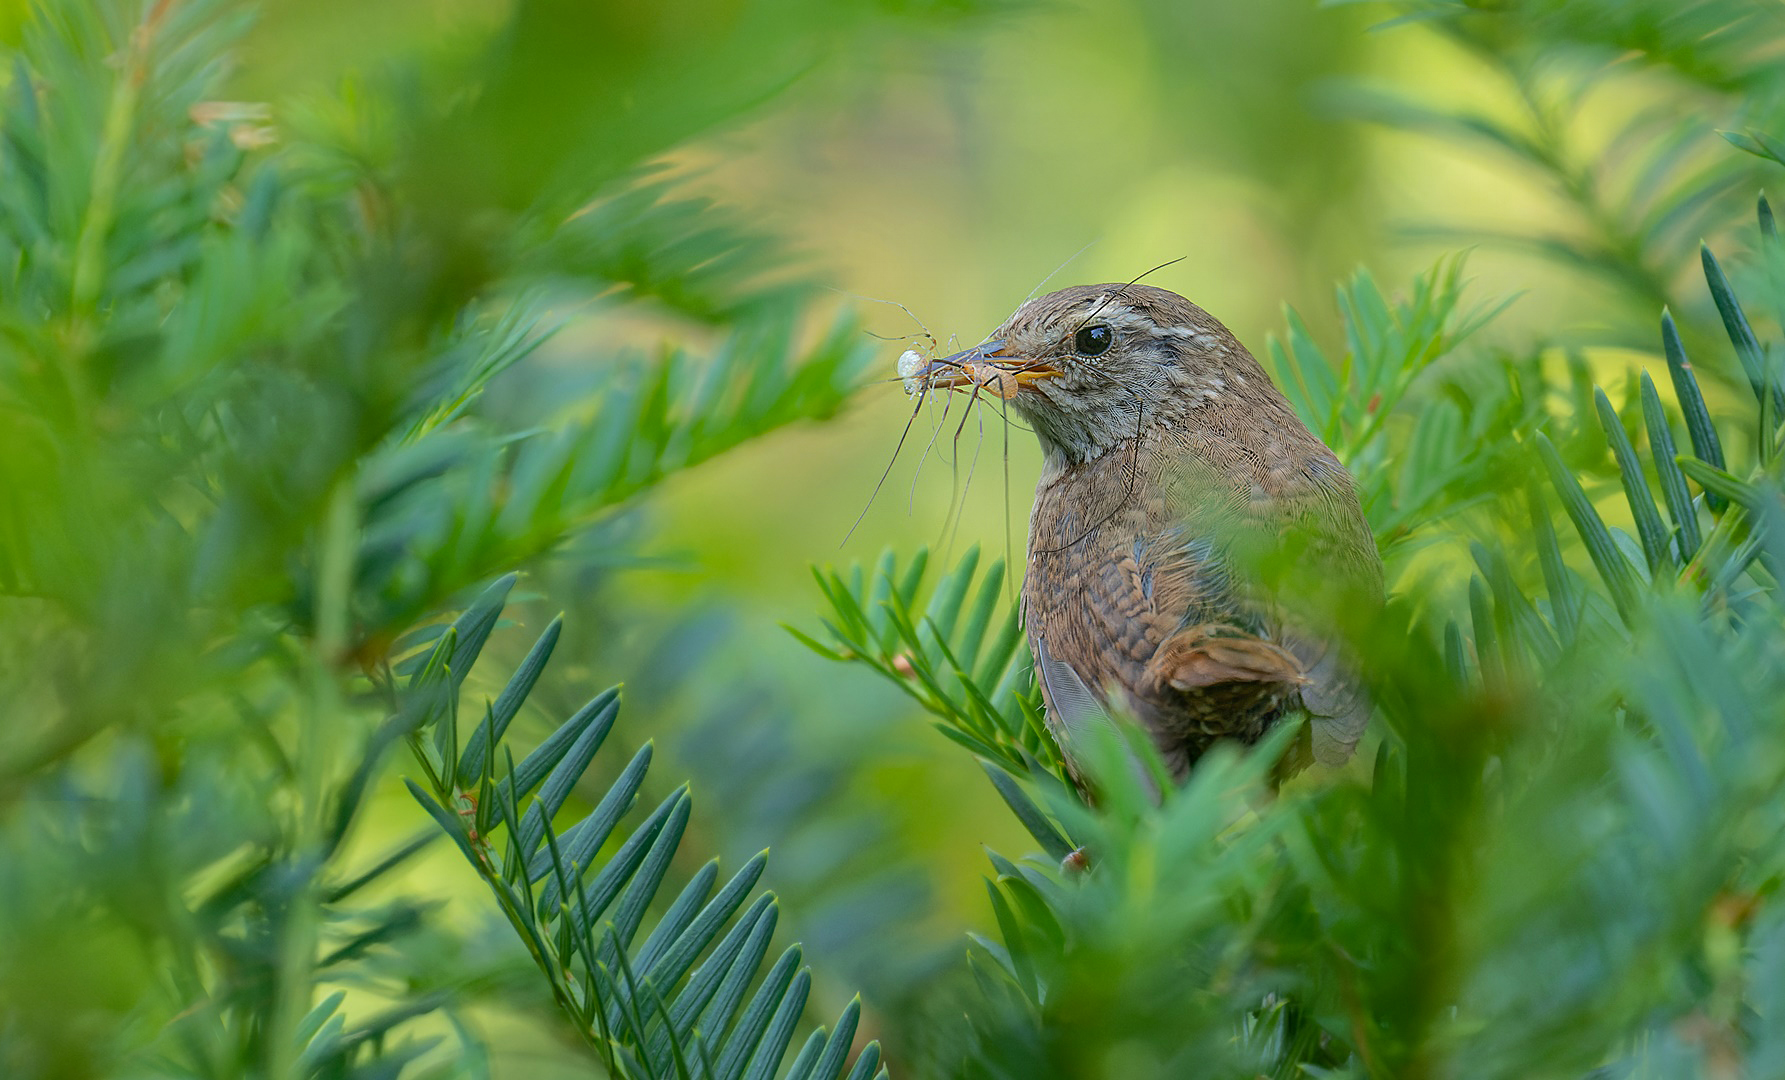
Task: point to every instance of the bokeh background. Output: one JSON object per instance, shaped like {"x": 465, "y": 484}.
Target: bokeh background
{"x": 930, "y": 165}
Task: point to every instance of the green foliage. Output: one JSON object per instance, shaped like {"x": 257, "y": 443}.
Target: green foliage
{"x": 236, "y": 344}
{"x": 1355, "y": 404}
{"x": 974, "y": 674}
{"x": 966, "y": 663}
{"x": 645, "y": 1009}
{"x": 1635, "y": 203}
{"x": 254, "y": 437}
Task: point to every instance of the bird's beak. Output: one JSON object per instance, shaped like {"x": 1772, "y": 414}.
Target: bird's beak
{"x": 985, "y": 366}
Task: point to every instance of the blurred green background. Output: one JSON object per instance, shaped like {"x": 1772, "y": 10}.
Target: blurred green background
{"x": 907, "y": 171}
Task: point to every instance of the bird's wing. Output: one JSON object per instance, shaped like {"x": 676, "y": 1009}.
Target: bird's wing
{"x": 1337, "y": 702}
{"x": 1178, "y": 620}
{"x": 1078, "y": 712}
{"x": 1071, "y": 702}
{"x": 1336, "y": 567}
{"x": 1300, "y": 555}
{"x": 1210, "y": 654}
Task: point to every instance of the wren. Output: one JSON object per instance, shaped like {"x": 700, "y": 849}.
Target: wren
{"x": 1193, "y": 545}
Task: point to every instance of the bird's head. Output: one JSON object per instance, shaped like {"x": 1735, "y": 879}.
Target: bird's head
{"x": 1093, "y": 366}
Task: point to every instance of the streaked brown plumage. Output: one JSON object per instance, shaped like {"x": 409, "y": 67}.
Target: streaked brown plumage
{"x": 1191, "y": 539}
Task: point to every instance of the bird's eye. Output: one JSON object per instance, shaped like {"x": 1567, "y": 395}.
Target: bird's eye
{"x": 1093, "y": 340}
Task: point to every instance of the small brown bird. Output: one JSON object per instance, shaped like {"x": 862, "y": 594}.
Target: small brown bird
{"x": 1191, "y": 541}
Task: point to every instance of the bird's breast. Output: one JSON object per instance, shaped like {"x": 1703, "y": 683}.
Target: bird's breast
{"x": 1117, "y": 564}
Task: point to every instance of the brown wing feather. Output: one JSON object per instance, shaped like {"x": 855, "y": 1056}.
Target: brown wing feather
{"x": 1338, "y": 560}
{"x": 1208, "y": 655}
